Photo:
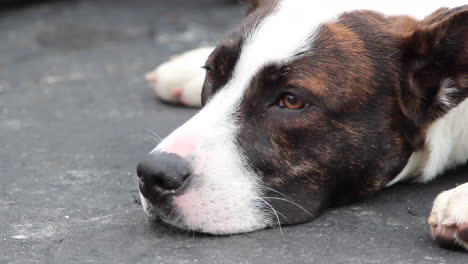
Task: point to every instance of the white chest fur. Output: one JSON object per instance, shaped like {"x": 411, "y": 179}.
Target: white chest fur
{"x": 446, "y": 147}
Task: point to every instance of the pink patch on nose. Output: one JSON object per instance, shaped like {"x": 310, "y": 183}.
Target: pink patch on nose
{"x": 183, "y": 145}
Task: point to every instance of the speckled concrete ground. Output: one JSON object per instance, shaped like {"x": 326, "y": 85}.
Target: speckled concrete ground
{"x": 75, "y": 116}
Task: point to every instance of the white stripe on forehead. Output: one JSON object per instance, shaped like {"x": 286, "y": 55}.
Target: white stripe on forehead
{"x": 282, "y": 34}
{"x": 289, "y": 29}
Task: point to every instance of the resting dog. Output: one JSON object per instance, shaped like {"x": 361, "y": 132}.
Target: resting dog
{"x": 306, "y": 108}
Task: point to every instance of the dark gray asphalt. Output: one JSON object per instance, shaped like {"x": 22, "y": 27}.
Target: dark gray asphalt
{"x": 74, "y": 114}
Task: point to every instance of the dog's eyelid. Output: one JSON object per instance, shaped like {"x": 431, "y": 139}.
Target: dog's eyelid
{"x": 208, "y": 68}
{"x": 309, "y": 97}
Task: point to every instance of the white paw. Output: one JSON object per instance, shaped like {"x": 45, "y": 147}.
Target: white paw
{"x": 449, "y": 217}
{"x": 180, "y": 80}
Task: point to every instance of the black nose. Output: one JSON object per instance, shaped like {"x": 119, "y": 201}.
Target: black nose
{"x": 162, "y": 174}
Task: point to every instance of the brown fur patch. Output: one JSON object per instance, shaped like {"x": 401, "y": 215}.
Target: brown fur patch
{"x": 340, "y": 72}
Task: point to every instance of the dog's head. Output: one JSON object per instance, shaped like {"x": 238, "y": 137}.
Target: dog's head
{"x": 301, "y": 115}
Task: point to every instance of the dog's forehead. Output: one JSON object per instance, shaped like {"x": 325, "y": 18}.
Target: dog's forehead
{"x": 274, "y": 37}
{"x": 284, "y": 30}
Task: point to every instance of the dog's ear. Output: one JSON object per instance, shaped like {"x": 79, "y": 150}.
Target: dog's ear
{"x": 435, "y": 65}
{"x": 254, "y": 4}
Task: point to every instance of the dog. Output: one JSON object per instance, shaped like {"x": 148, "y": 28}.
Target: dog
{"x": 307, "y": 107}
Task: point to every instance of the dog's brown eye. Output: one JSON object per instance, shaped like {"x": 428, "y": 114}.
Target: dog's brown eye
{"x": 291, "y": 101}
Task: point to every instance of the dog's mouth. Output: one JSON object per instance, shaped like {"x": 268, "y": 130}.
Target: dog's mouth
{"x": 163, "y": 212}
{"x": 196, "y": 211}
{"x": 166, "y": 210}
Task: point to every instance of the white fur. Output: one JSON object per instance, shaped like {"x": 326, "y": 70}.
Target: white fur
{"x": 446, "y": 147}
{"x": 446, "y": 93}
{"x": 144, "y": 203}
{"x": 447, "y": 140}
{"x": 452, "y": 204}
{"x": 450, "y": 208}
{"x": 183, "y": 73}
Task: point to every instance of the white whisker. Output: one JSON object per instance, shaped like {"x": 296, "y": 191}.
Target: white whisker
{"x": 215, "y": 225}
{"x": 156, "y": 135}
{"x": 286, "y": 200}
{"x": 276, "y": 214}
{"x": 278, "y": 192}
{"x": 155, "y": 139}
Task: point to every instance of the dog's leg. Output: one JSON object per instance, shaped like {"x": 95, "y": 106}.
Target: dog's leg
{"x": 449, "y": 217}
{"x": 180, "y": 80}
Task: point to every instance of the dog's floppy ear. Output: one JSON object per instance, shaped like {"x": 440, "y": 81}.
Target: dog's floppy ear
{"x": 435, "y": 65}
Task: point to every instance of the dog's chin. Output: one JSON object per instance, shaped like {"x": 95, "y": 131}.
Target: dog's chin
{"x": 201, "y": 222}
{"x": 162, "y": 214}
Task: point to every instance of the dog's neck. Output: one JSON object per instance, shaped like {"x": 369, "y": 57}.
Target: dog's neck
{"x": 445, "y": 147}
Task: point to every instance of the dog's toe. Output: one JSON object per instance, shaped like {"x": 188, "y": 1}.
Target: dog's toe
{"x": 444, "y": 235}
{"x": 449, "y": 217}
{"x": 462, "y": 235}
{"x": 463, "y": 231}
{"x": 152, "y": 77}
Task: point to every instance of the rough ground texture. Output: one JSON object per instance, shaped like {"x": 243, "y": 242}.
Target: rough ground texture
{"x": 75, "y": 116}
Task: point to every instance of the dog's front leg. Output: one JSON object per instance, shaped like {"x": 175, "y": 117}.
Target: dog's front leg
{"x": 449, "y": 217}
{"x": 180, "y": 80}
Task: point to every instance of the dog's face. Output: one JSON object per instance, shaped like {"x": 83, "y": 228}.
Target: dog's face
{"x": 299, "y": 116}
